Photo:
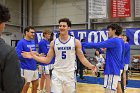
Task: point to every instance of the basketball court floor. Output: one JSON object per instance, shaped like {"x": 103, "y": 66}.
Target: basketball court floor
{"x": 95, "y": 84}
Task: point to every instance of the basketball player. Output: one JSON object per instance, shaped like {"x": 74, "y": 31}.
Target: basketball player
{"x": 120, "y": 87}
{"x": 44, "y": 46}
{"x": 64, "y": 49}
{"x": 113, "y": 57}
{"x": 126, "y": 58}
{"x": 28, "y": 66}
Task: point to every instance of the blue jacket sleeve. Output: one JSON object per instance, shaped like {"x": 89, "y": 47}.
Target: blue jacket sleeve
{"x": 19, "y": 50}
{"x": 110, "y": 43}
{"x": 127, "y": 54}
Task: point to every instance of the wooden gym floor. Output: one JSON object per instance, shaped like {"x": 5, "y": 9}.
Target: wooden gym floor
{"x": 96, "y": 88}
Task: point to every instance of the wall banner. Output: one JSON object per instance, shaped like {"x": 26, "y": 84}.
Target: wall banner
{"x": 96, "y": 35}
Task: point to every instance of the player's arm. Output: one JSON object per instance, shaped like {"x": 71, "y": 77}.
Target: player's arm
{"x": 19, "y": 49}
{"x": 110, "y": 43}
{"x": 81, "y": 55}
{"x": 41, "y": 59}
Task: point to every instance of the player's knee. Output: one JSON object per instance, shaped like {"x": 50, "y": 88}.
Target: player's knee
{"x": 27, "y": 84}
{"x": 35, "y": 84}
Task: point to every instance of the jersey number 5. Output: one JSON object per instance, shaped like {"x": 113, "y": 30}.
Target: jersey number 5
{"x": 63, "y": 54}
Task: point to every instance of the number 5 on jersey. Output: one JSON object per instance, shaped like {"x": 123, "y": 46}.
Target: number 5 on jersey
{"x": 63, "y": 54}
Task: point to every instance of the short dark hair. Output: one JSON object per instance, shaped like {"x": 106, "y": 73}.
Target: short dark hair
{"x": 28, "y": 28}
{"x": 116, "y": 27}
{"x": 51, "y": 38}
{"x": 98, "y": 51}
{"x": 65, "y": 20}
{"x": 126, "y": 37}
{"x": 4, "y": 14}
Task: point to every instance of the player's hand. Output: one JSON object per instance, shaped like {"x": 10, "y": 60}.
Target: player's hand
{"x": 33, "y": 53}
{"x": 42, "y": 55}
{"x": 93, "y": 70}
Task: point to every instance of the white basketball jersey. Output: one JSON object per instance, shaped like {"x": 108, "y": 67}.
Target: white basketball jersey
{"x": 65, "y": 57}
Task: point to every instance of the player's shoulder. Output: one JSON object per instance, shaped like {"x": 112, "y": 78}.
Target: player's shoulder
{"x": 114, "y": 40}
{"x": 42, "y": 41}
{"x": 77, "y": 40}
{"x": 127, "y": 45}
{"x": 21, "y": 41}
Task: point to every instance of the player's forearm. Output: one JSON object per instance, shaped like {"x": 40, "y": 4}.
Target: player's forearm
{"x": 41, "y": 59}
{"x": 86, "y": 63}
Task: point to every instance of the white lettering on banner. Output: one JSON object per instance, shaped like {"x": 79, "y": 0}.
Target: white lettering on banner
{"x": 136, "y": 35}
{"x": 95, "y": 36}
{"x": 92, "y": 36}
{"x": 82, "y": 35}
{"x": 39, "y": 36}
{"x": 103, "y": 35}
